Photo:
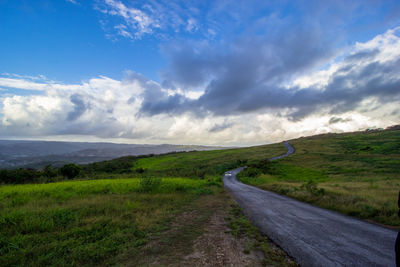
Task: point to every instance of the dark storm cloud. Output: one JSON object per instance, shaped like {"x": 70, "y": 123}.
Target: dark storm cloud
{"x": 233, "y": 75}
{"x": 79, "y": 107}
{"x": 363, "y": 55}
{"x": 169, "y": 104}
{"x": 334, "y": 120}
{"x": 248, "y": 59}
{"x": 155, "y": 99}
{"x": 220, "y": 127}
{"x": 188, "y": 68}
{"x": 249, "y": 78}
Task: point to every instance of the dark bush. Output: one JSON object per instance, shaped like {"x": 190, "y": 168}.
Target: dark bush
{"x": 19, "y": 176}
{"x": 70, "y": 170}
{"x": 49, "y": 172}
{"x": 139, "y": 170}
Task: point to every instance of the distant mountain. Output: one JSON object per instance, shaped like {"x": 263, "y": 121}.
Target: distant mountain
{"x": 36, "y": 154}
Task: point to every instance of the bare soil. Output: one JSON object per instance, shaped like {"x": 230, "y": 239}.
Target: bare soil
{"x": 218, "y": 247}
{"x": 200, "y": 236}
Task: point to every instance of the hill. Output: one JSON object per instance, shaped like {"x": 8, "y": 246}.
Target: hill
{"x": 353, "y": 173}
{"x": 151, "y": 210}
{"x": 36, "y": 154}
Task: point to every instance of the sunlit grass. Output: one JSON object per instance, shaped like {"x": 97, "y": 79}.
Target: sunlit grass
{"x": 86, "y": 222}
{"x": 71, "y": 189}
{"x": 198, "y": 164}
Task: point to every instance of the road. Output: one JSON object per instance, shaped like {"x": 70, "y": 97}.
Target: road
{"x": 312, "y": 235}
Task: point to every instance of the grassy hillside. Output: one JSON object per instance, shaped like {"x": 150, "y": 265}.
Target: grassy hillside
{"x": 86, "y": 222}
{"x": 177, "y": 164}
{"x": 353, "y": 173}
{"x": 201, "y": 164}
{"x": 141, "y": 216}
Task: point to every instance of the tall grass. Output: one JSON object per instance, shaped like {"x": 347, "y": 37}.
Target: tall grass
{"x": 86, "y": 223}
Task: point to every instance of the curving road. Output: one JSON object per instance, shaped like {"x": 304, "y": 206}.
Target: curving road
{"x": 312, "y": 235}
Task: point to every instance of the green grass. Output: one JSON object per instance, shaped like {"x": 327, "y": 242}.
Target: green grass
{"x": 96, "y": 221}
{"x": 202, "y": 163}
{"x": 353, "y": 173}
{"x": 86, "y": 223}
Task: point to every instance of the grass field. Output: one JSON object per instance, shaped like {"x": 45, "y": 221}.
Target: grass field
{"x": 109, "y": 221}
{"x": 353, "y": 173}
{"x": 115, "y": 222}
{"x": 89, "y": 223}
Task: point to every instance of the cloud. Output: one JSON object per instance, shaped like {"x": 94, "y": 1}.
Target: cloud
{"x": 191, "y": 25}
{"x": 97, "y": 107}
{"x": 224, "y": 20}
{"x": 136, "y": 20}
{"x": 79, "y": 107}
{"x": 123, "y": 31}
{"x": 22, "y": 84}
{"x": 334, "y": 120}
{"x": 110, "y": 110}
{"x": 254, "y": 76}
{"x": 222, "y": 126}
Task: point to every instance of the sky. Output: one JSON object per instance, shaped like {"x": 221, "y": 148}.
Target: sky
{"x": 230, "y": 73}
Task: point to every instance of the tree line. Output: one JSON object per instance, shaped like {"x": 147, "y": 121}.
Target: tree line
{"x": 68, "y": 171}
{"x": 47, "y": 174}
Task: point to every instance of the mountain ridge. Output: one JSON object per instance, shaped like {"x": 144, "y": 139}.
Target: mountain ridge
{"x": 36, "y": 154}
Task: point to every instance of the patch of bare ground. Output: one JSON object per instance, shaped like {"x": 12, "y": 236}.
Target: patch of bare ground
{"x": 208, "y": 234}
{"x": 218, "y": 247}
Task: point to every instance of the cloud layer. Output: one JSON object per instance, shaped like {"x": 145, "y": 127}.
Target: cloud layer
{"x": 254, "y": 91}
{"x": 260, "y": 76}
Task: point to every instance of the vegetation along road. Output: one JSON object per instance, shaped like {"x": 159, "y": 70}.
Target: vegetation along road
{"x": 312, "y": 235}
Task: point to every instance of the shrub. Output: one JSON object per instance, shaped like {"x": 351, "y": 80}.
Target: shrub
{"x": 149, "y": 184}
{"x": 70, "y": 170}
{"x": 312, "y": 187}
{"x": 19, "y": 176}
{"x": 140, "y": 170}
{"x": 49, "y": 172}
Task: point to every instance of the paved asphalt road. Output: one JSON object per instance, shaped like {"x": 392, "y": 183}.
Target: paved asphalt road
{"x": 313, "y": 236}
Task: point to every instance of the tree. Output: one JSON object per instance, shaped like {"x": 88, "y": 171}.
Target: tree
{"x": 70, "y": 170}
{"x": 5, "y": 176}
{"x": 49, "y": 172}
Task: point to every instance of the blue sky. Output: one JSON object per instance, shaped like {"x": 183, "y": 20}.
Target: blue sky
{"x": 72, "y": 41}
{"x": 66, "y": 42}
{"x": 244, "y": 72}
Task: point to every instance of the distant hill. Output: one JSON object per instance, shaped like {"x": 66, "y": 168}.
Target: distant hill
{"x": 36, "y": 154}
